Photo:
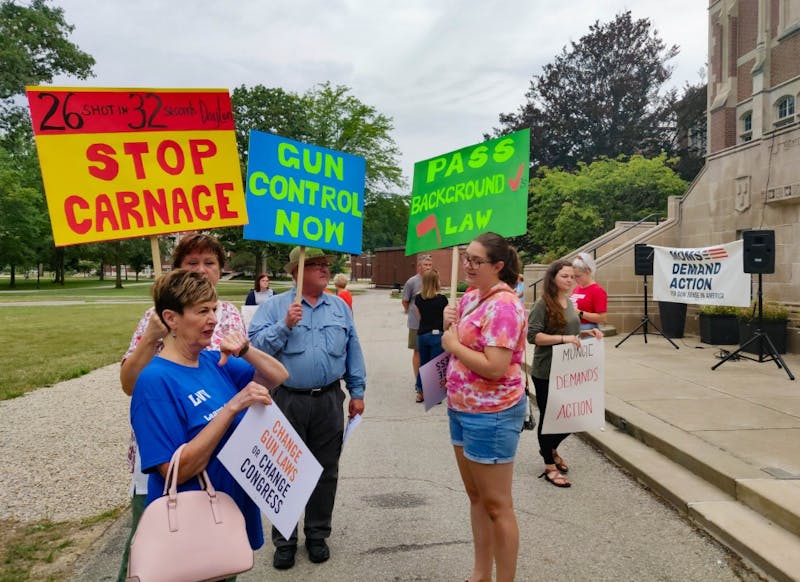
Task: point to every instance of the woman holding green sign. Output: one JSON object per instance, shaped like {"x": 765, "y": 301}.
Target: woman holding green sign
{"x": 485, "y": 336}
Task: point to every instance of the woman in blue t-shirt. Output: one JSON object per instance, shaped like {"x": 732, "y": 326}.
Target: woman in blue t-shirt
{"x": 187, "y": 394}
{"x": 430, "y": 305}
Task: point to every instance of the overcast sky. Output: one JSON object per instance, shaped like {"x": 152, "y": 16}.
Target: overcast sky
{"x": 442, "y": 69}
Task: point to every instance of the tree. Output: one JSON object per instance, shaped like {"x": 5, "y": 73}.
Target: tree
{"x": 327, "y": 116}
{"x": 21, "y": 220}
{"x": 34, "y": 47}
{"x": 690, "y": 131}
{"x": 568, "y": 209}
{"x": 137, "y": 254}
{"x": 601, "y": 97}
{"x": 341, "y": 122}
{"x": 271, "y": 110}
{"x": 385, "y": 221}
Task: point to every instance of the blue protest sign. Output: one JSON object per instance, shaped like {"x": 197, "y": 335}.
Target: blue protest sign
{"x": 302, "y": 194}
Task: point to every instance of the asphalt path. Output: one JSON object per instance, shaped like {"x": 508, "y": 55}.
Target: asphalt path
{"x": 402, "y": 514}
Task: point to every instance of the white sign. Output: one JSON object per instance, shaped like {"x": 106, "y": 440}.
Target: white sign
{"x": 705, "y": 276}
{"x": 433, "y": 376}
{"x": 352, "y": 425}
{"x": 272, "y": 464}
{"x": 248, "y": 311}
{"x": 576, "y": 391}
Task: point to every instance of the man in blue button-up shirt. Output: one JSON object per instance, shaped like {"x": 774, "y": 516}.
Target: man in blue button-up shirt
{"x": 316, "y": 341}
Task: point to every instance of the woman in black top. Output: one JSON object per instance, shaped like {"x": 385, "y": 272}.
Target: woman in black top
{"x": 430, "y": 305}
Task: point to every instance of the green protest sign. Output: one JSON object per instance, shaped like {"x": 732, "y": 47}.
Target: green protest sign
{"x": 459, "y": 195}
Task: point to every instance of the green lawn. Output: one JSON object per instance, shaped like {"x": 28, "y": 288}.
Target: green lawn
{"x": 44, "y": 344}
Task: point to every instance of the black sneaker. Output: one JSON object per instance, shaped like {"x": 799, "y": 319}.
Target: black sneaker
{"x": 318, "y": 551}
{"x": 284, "y": 557}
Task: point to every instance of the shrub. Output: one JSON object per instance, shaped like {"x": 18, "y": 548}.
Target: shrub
{"x": 771, "y": 310}
{"x": 719, "y": 310}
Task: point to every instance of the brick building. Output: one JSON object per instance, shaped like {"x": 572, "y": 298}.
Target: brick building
{"x": 751, "y": 179}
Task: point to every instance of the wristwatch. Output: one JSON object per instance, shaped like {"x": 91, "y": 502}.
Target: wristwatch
{"x": 580, "y": 315}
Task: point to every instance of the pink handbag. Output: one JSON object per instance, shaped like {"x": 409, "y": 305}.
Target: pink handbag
{"x": 191, "y": 536}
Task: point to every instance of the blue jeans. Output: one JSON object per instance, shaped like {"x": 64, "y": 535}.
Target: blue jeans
{"x": 489, "y": 438}
{"x": 429, "y": 346}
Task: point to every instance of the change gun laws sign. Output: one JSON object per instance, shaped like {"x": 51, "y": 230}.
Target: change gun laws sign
{"x": 576, "y": 392}
{"x": 123, "y": 163}
{"x": 270, "y": 461}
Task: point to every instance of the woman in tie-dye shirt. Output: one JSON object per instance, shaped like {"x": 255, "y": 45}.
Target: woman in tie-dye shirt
{"x": 486, "y": 398}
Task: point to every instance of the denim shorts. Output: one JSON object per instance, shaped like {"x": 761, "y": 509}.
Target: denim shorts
{"x": 489, "y": 438}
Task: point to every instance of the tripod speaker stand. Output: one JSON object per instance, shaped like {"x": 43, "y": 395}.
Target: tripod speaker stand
{"x": 766, "y": 349}
{"x": 645, "y": 322}
{"x": 643, "y": 265}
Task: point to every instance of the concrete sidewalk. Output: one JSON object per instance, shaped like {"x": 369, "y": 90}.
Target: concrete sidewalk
{"x": 732, "y": 436}
{"x": 721, "y": 446}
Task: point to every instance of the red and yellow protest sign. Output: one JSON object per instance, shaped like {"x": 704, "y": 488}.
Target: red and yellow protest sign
{"x": 121, "y": 163}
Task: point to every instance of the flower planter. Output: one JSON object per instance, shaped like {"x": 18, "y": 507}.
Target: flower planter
{"x": 673, "y": 318}
{"x": 719, "y": 329}
{"x": 776, "y": 330}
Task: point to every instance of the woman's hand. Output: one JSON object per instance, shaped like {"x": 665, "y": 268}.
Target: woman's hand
{"x": 198, "y": 451}
{"x": 595, "y": 333}
{"x": 575, "y": 340}
{"x": 450, "y": 339}
{"x": 450, "y": 315}
{"x": 232, "y": 345}
{"x": 251, "y": 394}
{"x": 155, "y": 330}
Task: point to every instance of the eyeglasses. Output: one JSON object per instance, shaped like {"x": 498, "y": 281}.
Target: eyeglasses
{"x": 474, "y": 262}
{"x": 317, "y": 265}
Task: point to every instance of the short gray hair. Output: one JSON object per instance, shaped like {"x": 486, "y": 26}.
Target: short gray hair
{"x": 340, "y": 280}
{"x": 584, "y": 262}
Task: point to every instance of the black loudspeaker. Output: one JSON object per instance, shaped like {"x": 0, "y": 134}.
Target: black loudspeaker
{"x": 759, "y": 251}
{"x": 643, "y": 259}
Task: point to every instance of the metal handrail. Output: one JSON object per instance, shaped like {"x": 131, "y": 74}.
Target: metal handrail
{"x": 594, "y": 249}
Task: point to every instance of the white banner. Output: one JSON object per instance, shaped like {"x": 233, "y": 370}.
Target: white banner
{"x": 272, "y": 464}
{"x": 576, "y": 391}
{"x": 705, "y": 276}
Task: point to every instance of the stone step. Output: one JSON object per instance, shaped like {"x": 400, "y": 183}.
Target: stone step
{"x": 776, "y": 499}
{"x": 766, "y": 545}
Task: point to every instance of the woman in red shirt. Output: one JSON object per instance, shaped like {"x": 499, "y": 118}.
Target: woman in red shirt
{"x": 589, "y": 298}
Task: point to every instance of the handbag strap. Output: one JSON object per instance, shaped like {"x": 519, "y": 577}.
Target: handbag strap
{"x": 484, "y": 298}
{"x": 171, "y": 478}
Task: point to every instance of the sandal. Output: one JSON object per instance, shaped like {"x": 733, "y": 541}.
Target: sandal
{"x": 556, "y": 478}
{"x": 420, "y": 397}
{"x": 560, "y": 464}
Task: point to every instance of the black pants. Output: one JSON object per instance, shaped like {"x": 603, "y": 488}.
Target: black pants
{"x": 547, "y": 442}
{"x": 319, "y": 420}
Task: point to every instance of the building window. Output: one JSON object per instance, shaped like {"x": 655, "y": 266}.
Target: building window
{"x": 786, "y": 107}
{"x": 784, "y": 110}
{"x": 746, "y": 126}
{"x": 788, "y": 17}
{"x": 697, "y": 139}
